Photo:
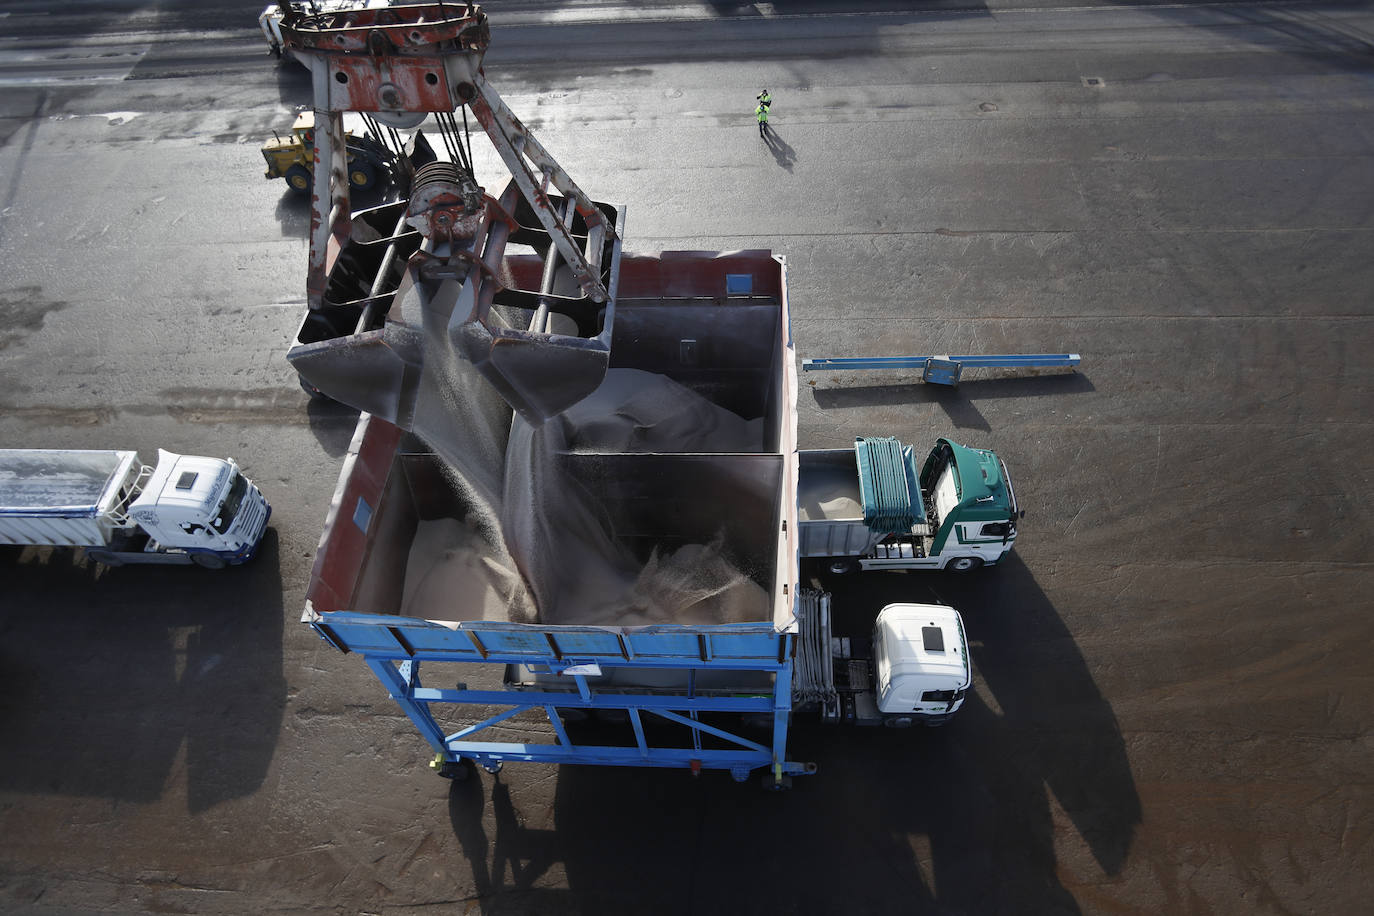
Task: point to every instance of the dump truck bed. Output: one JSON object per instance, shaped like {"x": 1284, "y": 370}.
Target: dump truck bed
{"x": 61, "y": 497}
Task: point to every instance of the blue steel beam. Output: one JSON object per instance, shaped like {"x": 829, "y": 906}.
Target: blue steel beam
{"x": 1003, "y": 361}
{"x": 528, "y": 698}
{"x": 698, "y": 727}
{"x": 487, "y": 723}
{"x": 557, "y": 724}
{"x": 782, "y": 711}
{"x": 401, "y": 678}
{"x": 713, "y": 662}
{"x": 639, "y": 733}
{"x": 418, "y": 713}
{"x": 624, "y": 756}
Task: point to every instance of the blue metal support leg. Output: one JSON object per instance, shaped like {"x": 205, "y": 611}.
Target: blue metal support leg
{"x": 399, "y": 686}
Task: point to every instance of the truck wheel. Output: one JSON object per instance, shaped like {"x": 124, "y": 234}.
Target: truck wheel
{"x": 964, "y": 564}
{"x": 299, "y": 179}
{"x": 361, "y": 176}
{"x": 843, "y": 566}
{"x": 104, "y": 557}
{"x": 208, "y": 561}
{"x": 899, "y": 722}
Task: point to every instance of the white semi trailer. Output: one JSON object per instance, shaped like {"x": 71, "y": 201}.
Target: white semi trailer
{"x": 184, "y": 509}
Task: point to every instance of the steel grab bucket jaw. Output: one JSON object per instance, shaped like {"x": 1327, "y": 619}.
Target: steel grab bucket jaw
{"x": 539, "y": 375}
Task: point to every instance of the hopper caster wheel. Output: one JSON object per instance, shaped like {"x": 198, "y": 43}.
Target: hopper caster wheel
{"x": 776, "y": 784}
{"x": 456, "y": 770}
{"x": 492, "y": 768}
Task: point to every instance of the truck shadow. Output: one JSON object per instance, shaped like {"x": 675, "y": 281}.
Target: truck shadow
{"x": 101, "y": 688}
{"x": 956, "y": 819}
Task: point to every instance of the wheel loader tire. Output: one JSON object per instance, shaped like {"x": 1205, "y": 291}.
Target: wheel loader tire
{"x": 299, "y": 179}
{"x": 361, "y": 176}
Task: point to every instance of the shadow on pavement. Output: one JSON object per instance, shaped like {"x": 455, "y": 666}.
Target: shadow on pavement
{"x": 293, "y": 214}
{"x": 105, "y": 674}
{"x": 956, "y": 819}
{"x": 332, "y": 423}
{"x": 783, "y": 153}
{"x": 957, "y": 403}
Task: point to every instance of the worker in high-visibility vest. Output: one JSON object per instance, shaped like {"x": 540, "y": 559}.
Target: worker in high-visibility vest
{"x": 761, "y": 112}
{"x": 765, "y": 99}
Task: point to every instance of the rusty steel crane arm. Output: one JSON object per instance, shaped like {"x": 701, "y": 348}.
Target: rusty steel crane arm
{"x": 519, "y": 149}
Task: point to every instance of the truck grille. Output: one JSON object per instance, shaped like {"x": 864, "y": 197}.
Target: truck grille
{"x": 251, "y": 518}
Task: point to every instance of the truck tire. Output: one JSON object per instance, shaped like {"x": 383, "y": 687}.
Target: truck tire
{"x": 899, "y": 722}
{"x": 208, "y": 561}
{"x": 104, "y": 557}
{"x": 963, "y": 564}
{"x": 843, "y": 566}
{"x": 299, "y": 179}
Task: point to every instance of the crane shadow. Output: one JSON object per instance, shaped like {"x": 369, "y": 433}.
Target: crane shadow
{"x": 896, "y": 821}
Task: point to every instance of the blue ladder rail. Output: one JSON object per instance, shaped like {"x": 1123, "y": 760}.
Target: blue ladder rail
{"x": 942, "y": 370}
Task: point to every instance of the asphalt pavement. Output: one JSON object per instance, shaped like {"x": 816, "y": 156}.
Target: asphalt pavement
{"x": 1172, "y": 701}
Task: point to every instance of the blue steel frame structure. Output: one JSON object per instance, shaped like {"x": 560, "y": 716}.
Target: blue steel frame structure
{"x": 395, "y": 647}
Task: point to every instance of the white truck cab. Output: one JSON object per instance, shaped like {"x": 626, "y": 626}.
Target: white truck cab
{"x": 184, "y": 509}
{"x": 920, "y": 662}
{"x": 196, "y": 503}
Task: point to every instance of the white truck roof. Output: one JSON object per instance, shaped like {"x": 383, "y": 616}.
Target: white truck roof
{"x": 187, "y": 482}
{"x": 920, "y": 647}
{"x": 61, "y": 482}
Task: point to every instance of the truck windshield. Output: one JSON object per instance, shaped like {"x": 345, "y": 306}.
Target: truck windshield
{"x": 230, "y": 510}
{"x": 942, "y": 696}
{"x": 945, "y": 497}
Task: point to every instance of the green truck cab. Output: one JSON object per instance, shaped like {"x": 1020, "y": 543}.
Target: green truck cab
{"x": 870, "y": 508}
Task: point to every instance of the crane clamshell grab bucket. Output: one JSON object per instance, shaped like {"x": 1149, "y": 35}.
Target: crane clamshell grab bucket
{"x": 546, "y": 344}
{"x": 459, "y": 301}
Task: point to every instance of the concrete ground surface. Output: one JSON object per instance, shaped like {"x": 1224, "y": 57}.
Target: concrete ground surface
{"x": 1173, "y": 695}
